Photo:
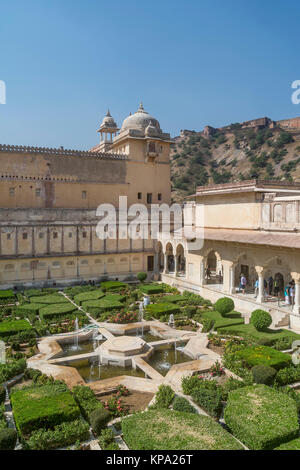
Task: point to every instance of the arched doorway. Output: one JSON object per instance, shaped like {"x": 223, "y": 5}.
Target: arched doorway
{"x": 170, "y": 258}
{"x": 279, "y": 284}
{"x": 180, "y": 260}
{"x": 214, "y": 268}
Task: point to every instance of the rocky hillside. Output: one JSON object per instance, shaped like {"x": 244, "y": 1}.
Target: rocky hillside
{"x": 234, "y": 153}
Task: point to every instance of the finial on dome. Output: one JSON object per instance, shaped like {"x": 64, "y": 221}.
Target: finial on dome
{"x": 108, "y": 113}
{"x": 141, "y": 108}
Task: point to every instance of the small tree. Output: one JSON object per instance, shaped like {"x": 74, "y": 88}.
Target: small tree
{"x": 260, "y": 319}
{"x": 141, "y": 276}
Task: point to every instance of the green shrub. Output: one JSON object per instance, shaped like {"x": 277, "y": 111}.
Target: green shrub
{"x": 29, "y": 308}
{"x": 106, "y": 304}
{"x": 50, "y": 311}
{"x": 8, "y": 439}
{"x": 261, "y": 417}
{"x": 171, "y": 299}
{"x": 182, "y": 404}
{"x": 107, "y": 440}
{"x": 267, "y": 338}
{"x": 196, "y": 300}
{"x": 151, "y": 289}
{"x": 50, "y": 299}
{"x": 288, "y": 375}
{"x": 99, "y": 419}
{"x": 260, "y": 319}
{"x": 44, "y": 406}
{"x": 2, "y": 394}
{"x": 291, "y": 445}
{"x": 7, "y": 297}
{"x": 173, "y": 430}
{"x": 85, "y": 296}
{"x": 160, "y": 309}
{"x": 62, "y": 435}
{"x": 224, "y": 305}
{"x": 86, "y": 400}
{"x": 112, "y": 285}
{"x": 207, "y": 325}
{"x": 164, "y": 397}
{"x": 12, "y": 327}
{"x": 263, "y": 355}
{"x": 190, "y": 383}
{"x": 209, "y": 400}
{"x": 141, "y": 276}
{"x": 219, "y": 321}
{"x": 11, "y": 369}
{"x": 263, "y": 374}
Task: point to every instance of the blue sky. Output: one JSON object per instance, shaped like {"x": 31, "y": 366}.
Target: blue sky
{"x": 192, "y": 63}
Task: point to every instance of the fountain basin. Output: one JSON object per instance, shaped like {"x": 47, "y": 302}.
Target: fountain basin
{"x": 122, "y": 346}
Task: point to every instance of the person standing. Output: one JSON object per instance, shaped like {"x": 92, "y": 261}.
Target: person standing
{"x": 243, "y": 283}
{"x": 256, "y": 288}
{"x": 287, "y": 295}
{"x": 292, "y": 293}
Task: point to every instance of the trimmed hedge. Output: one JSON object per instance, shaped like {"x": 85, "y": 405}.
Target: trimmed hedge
{"x": 99, "y": 419}
{"x": 7, "y": 297}
{"x": 224, "y": 305}
{"x": 209, "y": 400}
{"x": 267, "y": 338}
{"x": 183, "y": 405}
{"x": 288, "y": 375}
{"x": 11, "y": 369}
{"x": 263, "y": 355}
{"x": 151, "y": 289}
{"x": 43, "y": 406}
{"x": 219, "y": 321}
{"x": 62, "y": 435}
{"x": 29, "y": 308}
{"x": 263, "y": 374}
{"x": 112, "y": 285}
{"x": 107, "y": 303}
{"x": 12, "y": 327}
{"x": 86, "y": 400}
{"x": 50, "y": 299}
{"x": 8, "y": 439}
{"x": 261, "y": 417}
{"x": 173, "y": 430}
{"x": 164, "y": 397}
{"x": 160, "y": 309}
{"x": 172, "y": 299}
{"x": 291, "y": 445}
{"x": 85, "y": 296}
{"x": 58, "y": 309}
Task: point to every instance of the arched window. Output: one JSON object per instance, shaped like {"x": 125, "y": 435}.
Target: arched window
{"x": 290, "y": 213}
{"x": 277, "y": 213}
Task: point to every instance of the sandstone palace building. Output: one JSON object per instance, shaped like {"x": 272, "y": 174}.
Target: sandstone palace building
{"x": 48, "y": 222}
{"x": 49, "y": 198}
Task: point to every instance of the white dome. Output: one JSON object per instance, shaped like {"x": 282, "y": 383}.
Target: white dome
{"x": 140, "y": 120}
